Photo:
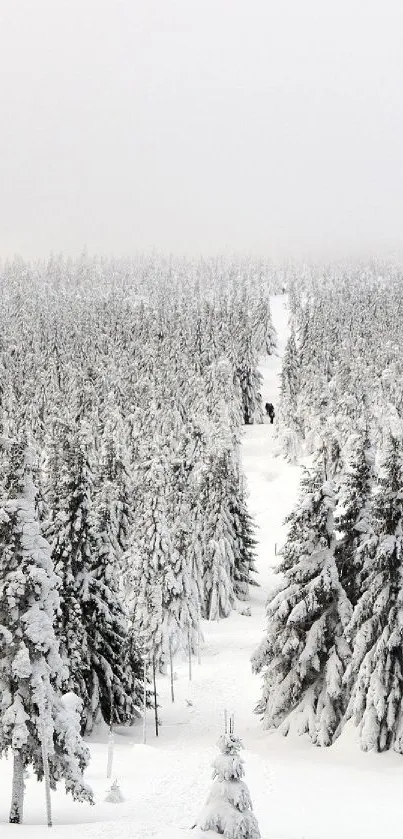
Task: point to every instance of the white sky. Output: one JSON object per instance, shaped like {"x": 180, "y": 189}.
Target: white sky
{"x": 272, "y": 126}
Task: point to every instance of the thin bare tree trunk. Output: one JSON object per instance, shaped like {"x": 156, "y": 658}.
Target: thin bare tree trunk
{"x": 18, "y": 789}
{"x": 155, "y": 695}
{"x": 110, "y": 742}
{"x": 45, "y": 761}
{"x": 171, "y": 665}
{"x": 145, "y": 702}
{"x": 198, "y": 634}
{"x": 190, "y": 655}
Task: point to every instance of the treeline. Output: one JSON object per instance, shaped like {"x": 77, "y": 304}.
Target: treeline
{"x": 332, "y": 651}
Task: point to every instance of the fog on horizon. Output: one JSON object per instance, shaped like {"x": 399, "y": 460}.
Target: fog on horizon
{"x": 201, "y": 126}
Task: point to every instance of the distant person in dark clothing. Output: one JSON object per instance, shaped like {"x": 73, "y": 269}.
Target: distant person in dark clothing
{"x": 270, "y": 411}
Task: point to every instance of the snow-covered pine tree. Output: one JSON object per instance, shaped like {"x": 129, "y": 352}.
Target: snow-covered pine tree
{"x": 228, "y": 809}
{"x": 244, "y": 534}
{"x": 152, "y": 581}
{"x": 93, "y": 624}
{"x": 33, "y": 715}
{"x": 72, "y": 552}
{"x": 218, "y": 536}
{"x": 304, "y": 653}
{"x": 186, "y": 557}
{"x": 355, "y": 520}
{"x": 264, "y": 333}
{"x": 375, "y": 674}
{"x": 290, "y": 381}
{"x": 116, "y": 671}
{"x": 250, "y": 381}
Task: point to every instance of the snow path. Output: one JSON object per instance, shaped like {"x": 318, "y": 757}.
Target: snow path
{"x": 299, "y": 792}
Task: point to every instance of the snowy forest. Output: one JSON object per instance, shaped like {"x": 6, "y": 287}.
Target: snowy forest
{"x": 333, "y": 648}
{"x": 126, "y": 388}
{"x": 124, "y": 519}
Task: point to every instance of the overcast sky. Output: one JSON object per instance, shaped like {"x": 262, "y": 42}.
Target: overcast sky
{"x": 267, "y": 126}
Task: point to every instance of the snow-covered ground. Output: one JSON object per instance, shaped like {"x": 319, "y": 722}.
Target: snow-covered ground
{"x": 299, "y": 791}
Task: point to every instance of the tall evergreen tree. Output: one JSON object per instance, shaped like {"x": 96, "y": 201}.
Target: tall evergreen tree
{"x": 375, "y": 674}
{"x": 304, "y": 653}
{"x": 218, "y": 537}
{"x": 72, "y": 553}
{"x": 33, "y": 716}
{"x": 244, "y": 537}
{"x": 355, "y": 521}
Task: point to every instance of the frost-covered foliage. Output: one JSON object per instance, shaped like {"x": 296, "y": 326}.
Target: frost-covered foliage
{"x": 355, "y": 519}
{"x": 228, "y": 809}
{"x": 132, "y": 376}
{"x": 376, "y": 627}
{"x": 342, "y": 382}
{"x": 343, "y": 356}
{"x": 304, "y": 653}
{"x": 34, "y": 716}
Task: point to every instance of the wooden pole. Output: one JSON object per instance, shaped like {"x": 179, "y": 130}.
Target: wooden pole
{"x": 110, "y": 741}
{"x": 171, "y": 666}
{"x": 145, "y": 701}
{"x": 155, "y": 695}
{"x": 198, "y": 633}
{"x": 45, "y": 762}
{"x": 190, "y": 655}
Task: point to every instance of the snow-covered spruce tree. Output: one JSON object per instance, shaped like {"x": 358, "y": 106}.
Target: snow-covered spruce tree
{"x": 244, "y": 534}
{"x": 72, "y": 551}
{"x": 116, "y": 464}
{"x": 149, "y": 558}
{"x": 375, "y": 674}
{"x": 115, "y": 682}
{"x": 228, "y": 809}
{"x": 248, "y": 376}
{"x": 218, "y": 536}
{"x": 264, "y": 333}
{"x": 290, "y": 382}
{"x": 355, "y": 521}
{"x": 304, "y": 653}
{"x": 186, "y": 556}
{"x": 93, "y": 625}
{"x": 33, "y": 714}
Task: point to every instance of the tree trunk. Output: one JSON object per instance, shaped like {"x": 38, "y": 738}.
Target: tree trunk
{"x": 45, "y": 761}
{"x": 190, "y": 655}
{"x": 155, "y": 695}
{"x": 17, "y": 795}
{"x": 110, "y": 741}
{"x": 171, "y": 665}
{"x": 145, "y": 701}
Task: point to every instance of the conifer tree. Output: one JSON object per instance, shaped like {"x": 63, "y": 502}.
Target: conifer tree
{"x": 72, "y": 553}
{"x": 116, "y": 672}
{"x": 218, "y": 537}
{"x": 290, "y": 381}
{"x": 93, "y": 624}
{"x": 355, "y": 521}
{"x": 249, "y": 379}
{"x": 264, "y": 334}
{"x": 228, "y": 809}
{"x": 304, "y": 653}
{"x": 153, "y": 582}
{"x": 244, "y": 538}
{"x": 34, "y": 720}
{"x": 375, "y": 674}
